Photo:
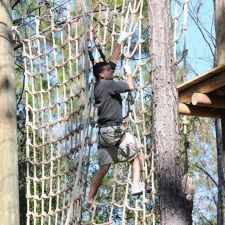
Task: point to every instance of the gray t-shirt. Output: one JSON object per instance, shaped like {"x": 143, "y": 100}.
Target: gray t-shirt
{"x": 109, "y": 101}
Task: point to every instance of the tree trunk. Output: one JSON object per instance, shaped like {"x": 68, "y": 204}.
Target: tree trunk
{"x": 220, "y": 31}
{"x": 9, "y": 207}
{"x": 220, "y": 166}
{"x": 175, "y": 209}
{"x": 219, "y": 6}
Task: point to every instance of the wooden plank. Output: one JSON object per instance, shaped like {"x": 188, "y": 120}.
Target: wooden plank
{"x": 205, "y": 76}
{"x": 190, "y": 110}
{"x": 212, "y": 101}
{"x": 206, "y": 86}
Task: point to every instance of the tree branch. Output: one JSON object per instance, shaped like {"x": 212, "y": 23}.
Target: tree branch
{"x": 14, "y": 5}
{"x": 204, "y": 171}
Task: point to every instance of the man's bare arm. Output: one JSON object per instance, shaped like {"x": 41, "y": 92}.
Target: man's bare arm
{"x": 116, "y": 51}
{"x": 130, "y": 81}
{"x": 115, "y": 54}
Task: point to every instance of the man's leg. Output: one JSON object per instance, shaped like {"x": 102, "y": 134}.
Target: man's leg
{"x": 141, "y": 159}
{"x": 137, "y": 168}
{"x": 97, "y": 180}
{"x": 129, "y": 146}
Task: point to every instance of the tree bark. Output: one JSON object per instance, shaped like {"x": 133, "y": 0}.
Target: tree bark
{"x": 219, "y": 6}
{"x": 220, "y": 31}
{"x": 220, "y": 166}
{"x": 175, "y": 209}
{"x": 9, "y": 197}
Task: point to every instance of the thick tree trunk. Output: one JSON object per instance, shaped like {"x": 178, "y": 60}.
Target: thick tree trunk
{"x": 220, "y": 166}
{"x": 9, "y": 207}
{"x": 174, "y": 208}
{"x": 219, "y": 6}
{"x": 220, "y": 31}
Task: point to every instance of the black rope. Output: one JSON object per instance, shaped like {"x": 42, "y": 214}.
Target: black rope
{"x": 99, "y": 47}
{"x": 91, "y": 57}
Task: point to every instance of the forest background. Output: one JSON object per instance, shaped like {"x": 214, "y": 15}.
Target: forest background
{"x": 200, "y": 140}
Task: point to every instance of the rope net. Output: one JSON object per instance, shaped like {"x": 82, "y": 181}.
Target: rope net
{"x": 61, "y": 117}
{"x": 180, "y": 51}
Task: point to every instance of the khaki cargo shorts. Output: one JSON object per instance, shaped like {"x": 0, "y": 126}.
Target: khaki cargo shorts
{"x": 108, "y": 149}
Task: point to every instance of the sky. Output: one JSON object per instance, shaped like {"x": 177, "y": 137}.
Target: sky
{"x": 199, "y": 54}
{"x": 200, "y": 58}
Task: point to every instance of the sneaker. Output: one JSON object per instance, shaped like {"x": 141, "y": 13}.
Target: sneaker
{"x": 138, "y": 188}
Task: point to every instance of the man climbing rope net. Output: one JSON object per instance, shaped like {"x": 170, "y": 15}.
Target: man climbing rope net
{"x": 114, "y": 139}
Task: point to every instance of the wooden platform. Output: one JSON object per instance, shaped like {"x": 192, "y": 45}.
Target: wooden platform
{"x": 204, "y": 96}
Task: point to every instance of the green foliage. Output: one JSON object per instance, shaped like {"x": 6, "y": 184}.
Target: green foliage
{"x": 21, "y": 131}
{"x": 201, "y": 150}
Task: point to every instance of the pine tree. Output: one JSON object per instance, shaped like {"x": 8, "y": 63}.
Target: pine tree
{"x": 174, "y": 207}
